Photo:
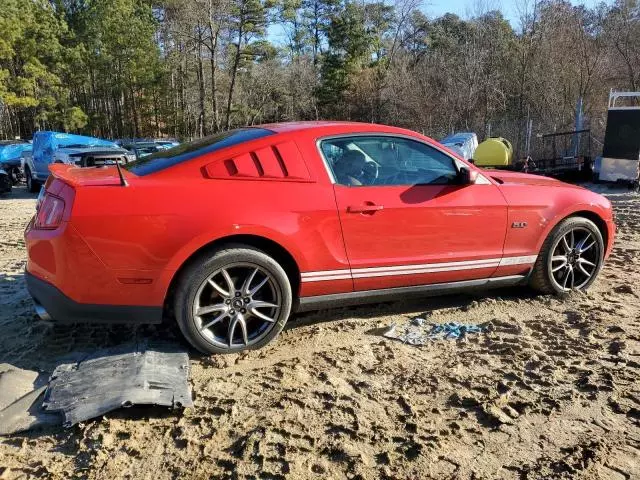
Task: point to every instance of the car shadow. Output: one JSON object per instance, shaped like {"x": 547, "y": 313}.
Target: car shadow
{"x": 27, "y": 342}
{"x": 19, "y": 192}
{"x": 419, "y": 306}
{"x": 418, "y": 194}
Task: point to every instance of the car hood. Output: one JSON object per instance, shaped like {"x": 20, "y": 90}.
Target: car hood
{"x": 511, "y": 178}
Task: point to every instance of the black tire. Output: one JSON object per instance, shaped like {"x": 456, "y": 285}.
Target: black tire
{"x": 195, "y": 277}
{"x": 5, "y": 183}
{"x": 33, "y": 186}
{"x": 541, "y": 276}
{"x": 14, "y": 173}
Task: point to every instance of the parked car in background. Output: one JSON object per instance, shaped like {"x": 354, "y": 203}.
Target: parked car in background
{"x": 167, "y": 143}
{"x": 5, "y": 181}
{"x": 10, "y": 154}
{"x": 161, "y": 142}
{"x": 142, "y": 149}
{"x": 232, "y": 233}
{"x": 462, "y": 143}
{"x": 26, "y": 159}
{"x": 55, "y": 147}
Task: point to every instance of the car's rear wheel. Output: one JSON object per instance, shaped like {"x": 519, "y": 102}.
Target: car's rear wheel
{"x": 234, "y": 299}
{"x": 570, "y": 258}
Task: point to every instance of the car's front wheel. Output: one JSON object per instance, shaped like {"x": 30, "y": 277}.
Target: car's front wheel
{"x": 32, "y": 185}
{"x": 233, "y": 299}
{"x": 570, "y": 257}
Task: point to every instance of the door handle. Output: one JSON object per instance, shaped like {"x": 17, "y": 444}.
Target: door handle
{"x": 370, "y": 208}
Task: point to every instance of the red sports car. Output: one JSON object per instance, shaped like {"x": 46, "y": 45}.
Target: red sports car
{"x": 232, "y": 233}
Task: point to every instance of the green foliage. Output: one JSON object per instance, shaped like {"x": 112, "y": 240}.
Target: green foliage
{"x": 73, "y": 119}
{"x": 31, "y": 61}
{"x": 185, "y": 68}
{"x": 350, "y": 47}
{"x": 119, "y": 52}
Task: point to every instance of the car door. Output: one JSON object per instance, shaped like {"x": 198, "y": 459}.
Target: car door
{"x": 405, "y": 216}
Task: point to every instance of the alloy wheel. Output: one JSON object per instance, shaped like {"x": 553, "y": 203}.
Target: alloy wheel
{"x": 237, "y": 306}
{"x": 575, "y": 259}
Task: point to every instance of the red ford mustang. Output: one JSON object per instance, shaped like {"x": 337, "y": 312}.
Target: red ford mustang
{"x": 232, "y": 233}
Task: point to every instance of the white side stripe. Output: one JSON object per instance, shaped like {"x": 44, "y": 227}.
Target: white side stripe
{"x": 425, "y": 270}
{"x": 345, "y": 274}
{"x": 426, "y": 265}
{"x": 325, "y": 273}
{"x": 319, "y": 278}
{"x": 518, "y": 260}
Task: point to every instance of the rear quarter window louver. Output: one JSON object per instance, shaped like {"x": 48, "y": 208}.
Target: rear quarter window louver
{"x": 280, "y": 162}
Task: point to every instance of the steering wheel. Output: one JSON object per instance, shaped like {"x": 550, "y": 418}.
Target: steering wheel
{"x": 370, "y": 172}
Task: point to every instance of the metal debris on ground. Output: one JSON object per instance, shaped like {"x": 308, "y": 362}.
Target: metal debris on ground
{"x": 126, "y": 375}
{"x": 16, "y": 382}
{"x": 419, "y": 332}
{"x": 418, "y": 322}
{"x": 21, "y": 393}
{"x": 89, "y": 385}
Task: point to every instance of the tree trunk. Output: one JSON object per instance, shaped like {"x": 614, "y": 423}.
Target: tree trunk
{"x": 134, "y": 111}
{"x": 214, "y": 32}
{"x": 234, "y": 72}
{"x": 214, "y": 88}
{"x": 181, "y": 73}
{"x": 202, "y": 116}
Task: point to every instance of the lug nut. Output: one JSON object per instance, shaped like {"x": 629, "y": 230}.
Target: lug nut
{"x": 237, "y": 294}
{"x": 232, "y": 312}
{"x": 247, "y": 300}
{"x": 244, "y": 310}
{"x": 227, "y": 301}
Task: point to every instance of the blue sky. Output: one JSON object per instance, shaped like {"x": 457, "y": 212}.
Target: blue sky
{"x": 465, "y": 8}
{"x": 462, "y": 8}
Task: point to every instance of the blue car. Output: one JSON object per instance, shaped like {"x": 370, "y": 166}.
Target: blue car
{"x": 10, "y": 153}
{"x": 56, "y": 147}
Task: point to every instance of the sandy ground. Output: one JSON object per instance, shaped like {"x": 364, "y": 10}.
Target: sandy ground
{"x": 552, "y": 390}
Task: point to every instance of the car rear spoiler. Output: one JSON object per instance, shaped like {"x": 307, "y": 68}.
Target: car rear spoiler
{"x": 88, "y": 177}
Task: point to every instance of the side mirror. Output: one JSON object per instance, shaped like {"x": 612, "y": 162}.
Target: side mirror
{"x": 467, "y": 176}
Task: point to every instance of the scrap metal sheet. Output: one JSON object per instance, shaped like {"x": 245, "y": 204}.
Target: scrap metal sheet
{"x": 126, "y": 375}
{"x": 21, "y": 393}
{"x": 419, "y": 332}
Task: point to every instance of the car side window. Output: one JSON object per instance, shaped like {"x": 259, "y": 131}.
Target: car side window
{"x": 387, "y": 160}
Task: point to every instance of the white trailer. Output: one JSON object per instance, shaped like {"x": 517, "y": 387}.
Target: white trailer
{"x": 621, "y": 150}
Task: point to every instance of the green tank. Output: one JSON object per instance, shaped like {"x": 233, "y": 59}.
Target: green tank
{"x": 494, "y": 152}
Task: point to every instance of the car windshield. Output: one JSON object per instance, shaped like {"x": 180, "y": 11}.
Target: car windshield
{"x": 167, "y": 158}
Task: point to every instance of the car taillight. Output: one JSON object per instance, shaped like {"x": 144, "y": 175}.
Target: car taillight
{"x": 50, "y": 212}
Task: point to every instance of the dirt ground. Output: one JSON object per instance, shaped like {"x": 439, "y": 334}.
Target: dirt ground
{"x": 551, "y": 390}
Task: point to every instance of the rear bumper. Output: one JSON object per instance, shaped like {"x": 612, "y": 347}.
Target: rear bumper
{"x": 61, "y": 308}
